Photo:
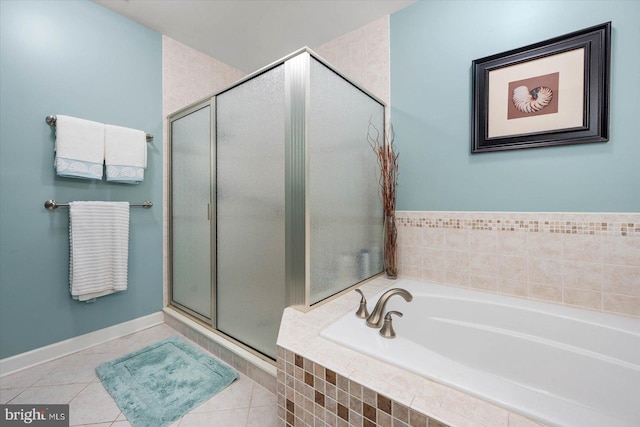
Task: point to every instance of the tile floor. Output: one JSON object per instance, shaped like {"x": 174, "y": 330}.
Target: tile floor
{"x": 72, "y": 379}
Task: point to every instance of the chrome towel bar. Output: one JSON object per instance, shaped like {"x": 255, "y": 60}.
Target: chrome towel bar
{"x": 51, "y": 121}
{"x": 52, "y": 204}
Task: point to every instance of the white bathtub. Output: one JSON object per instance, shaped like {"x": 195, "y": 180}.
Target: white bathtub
{"x": 557, "y": 365}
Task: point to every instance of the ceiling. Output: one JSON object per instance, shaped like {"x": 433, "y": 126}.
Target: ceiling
{"x": 249, "y": 34}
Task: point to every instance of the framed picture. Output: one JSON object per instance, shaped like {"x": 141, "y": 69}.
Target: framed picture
{"x": 555, "y": 92}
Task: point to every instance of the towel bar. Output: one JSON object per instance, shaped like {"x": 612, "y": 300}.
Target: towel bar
{"x": 52, "y": 204}
{"x": 51, "y": 121}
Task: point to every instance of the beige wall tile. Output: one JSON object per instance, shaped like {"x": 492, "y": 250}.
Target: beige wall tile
{"x": 530, "y": 255}
{"x": 433, "y": 238}
{"x": 483, "y": 241}
{"x": 412, "y": 256}
{"x": 512, "y": 243}
{"x": 433, "y": 259}
{"x": 456, "y": 278}
{"x": 582, "y": 275}
{"x": 457, "y": 261}
{"x": 513, "y": 287}
{"x": 545, "y": 292}
{"x": 620, "y": 279}
{"x": 513, "y": 267}
{"x": 363, "y": 55}
{"x": 412, "y": 236}
{"x": 189, "y": 75}
{"x": 583, "y": 248}
{"x": 544, "y": 245}
{"x": 457, "y": 240}
{"x": 545, "y": 271}
{"x": 582, "y": 298}
{"x": 484, "y": 283}
{"x": 434, "y": 276}
{"x": 483, "y": 264}
{"x": 621, "y": 250}
{"x": 410, "y": 271}
{"x": 622, "y": 304}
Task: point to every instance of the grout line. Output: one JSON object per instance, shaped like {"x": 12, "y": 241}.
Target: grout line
{"x": 14, "y": 397}
{"x": 86, "y": 385}
{"x": 253, "y": 387}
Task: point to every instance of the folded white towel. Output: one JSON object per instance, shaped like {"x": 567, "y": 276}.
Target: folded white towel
{"x": 125, "y": 154}
{"x": 79, "y": 148}
{"x": 99, "y": 248}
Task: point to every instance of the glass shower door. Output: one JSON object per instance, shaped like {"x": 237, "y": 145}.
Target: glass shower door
{"x": 250, "y": 199}
{"x": 274, "y": 198}
{"x": 190, "y": 233}
{"x": 345, "y": 211}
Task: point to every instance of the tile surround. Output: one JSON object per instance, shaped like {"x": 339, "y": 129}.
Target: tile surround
{"x": 321, "y": 383}
{"x": 310, "y": 395}
{"x": 363, "y": 56}
{"x": 586, "y": 260}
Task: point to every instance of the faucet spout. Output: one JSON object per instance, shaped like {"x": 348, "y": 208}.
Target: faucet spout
{"x": 376, "y": 318}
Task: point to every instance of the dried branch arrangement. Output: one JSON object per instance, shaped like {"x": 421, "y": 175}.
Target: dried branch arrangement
{"x": 384, "y": 148}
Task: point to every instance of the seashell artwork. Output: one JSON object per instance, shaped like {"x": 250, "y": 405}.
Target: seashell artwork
{"x": 530, "y": 101}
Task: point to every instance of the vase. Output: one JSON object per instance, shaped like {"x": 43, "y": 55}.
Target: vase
{"x": 390, "y": 246}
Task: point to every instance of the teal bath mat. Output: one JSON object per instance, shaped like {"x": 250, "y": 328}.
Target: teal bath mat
{"x": 162, "y": 382}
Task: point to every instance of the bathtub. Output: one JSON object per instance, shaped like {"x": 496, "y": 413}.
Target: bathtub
{"x": 554, "y": 364}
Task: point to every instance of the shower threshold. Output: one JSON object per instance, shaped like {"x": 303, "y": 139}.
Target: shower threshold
{"x": 247, "y": 361}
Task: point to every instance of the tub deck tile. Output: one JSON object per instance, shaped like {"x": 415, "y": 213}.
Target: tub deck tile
{"x": 471, "y": 407}
{"x": 388, "y": 395}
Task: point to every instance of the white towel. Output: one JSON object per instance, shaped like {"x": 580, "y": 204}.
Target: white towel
{"x": 99, "y": 248}
{"x": 79, "y": 148}
{"x": 125, "y": 154}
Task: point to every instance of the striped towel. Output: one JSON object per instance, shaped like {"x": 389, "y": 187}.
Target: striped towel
{"x": 99, "y": 248}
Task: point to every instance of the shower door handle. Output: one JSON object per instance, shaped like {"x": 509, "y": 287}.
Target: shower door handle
{"x": 209, "y": 211}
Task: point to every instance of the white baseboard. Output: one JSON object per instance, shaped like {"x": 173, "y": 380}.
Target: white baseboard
{"x": 40, "y": 355}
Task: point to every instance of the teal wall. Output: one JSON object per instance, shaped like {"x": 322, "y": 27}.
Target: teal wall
{"x": 432, "y": 46}
{"x": 79, "y": 59}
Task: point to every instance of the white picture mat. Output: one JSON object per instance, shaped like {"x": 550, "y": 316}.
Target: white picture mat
{"x": 570, "y": 113}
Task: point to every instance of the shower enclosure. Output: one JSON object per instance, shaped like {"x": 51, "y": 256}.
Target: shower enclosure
{"x": 274, "y": 197}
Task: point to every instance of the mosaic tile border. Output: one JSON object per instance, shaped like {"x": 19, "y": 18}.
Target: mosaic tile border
{"x": 584, "y": 260}
{"x": 543, "y": 225}
{"x": 310, "y": 395}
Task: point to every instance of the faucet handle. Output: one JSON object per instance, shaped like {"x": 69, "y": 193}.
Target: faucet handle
{"x": 362, "y": 312}
{"x": 387, "y": 328}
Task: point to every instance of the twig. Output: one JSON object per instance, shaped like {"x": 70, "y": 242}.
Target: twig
{"x": 384, "y": 149}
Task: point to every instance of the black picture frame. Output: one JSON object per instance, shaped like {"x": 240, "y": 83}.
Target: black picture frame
{"x": 594, "y": 111}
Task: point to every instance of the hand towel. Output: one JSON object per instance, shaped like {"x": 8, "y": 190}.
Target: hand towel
{"x": 125, "y": 154}
{"x": 99, "y": 248}
{"x": 79, "y": 148}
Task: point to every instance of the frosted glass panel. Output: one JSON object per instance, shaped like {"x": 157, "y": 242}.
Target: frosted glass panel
{"x": 344, "y": 207}
{"x": 190, "y": 196}
{"x": 250, "y": 210}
